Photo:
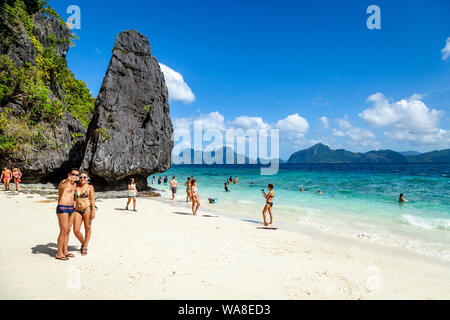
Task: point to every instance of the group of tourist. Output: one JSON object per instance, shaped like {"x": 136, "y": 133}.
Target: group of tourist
{"x": 160, "y": 180}
{"x": 8, "y": 175}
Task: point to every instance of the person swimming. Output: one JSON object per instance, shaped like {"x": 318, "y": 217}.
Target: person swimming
{"x": 319, "y": 192}
{"x": 401, "y": 199}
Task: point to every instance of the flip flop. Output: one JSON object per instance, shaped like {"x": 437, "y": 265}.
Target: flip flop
{"x": 70, "y": 255}
{"x": 84, "y": 252}
{"x": 63, "y": 259}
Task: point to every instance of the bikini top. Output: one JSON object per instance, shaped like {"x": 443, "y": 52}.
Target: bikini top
{"x": 84, "y": 195}
{"x": 194, "y": 190}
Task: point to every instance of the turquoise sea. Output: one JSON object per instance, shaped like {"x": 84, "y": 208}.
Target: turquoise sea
{"x": 358, "y": 201}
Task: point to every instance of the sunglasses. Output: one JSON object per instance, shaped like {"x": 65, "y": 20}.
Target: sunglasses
{"x": 83, "y": 177}
{"x": 75, "y": 174}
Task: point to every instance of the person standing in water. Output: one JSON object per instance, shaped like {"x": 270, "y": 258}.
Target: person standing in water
{"x": 84, "y": 211}
{"x": 226, "y": 187}
{"x": 64, "y": 212}
{"x": 269, "y": 204}
{"x": 6, "y": 176}
{"x": 236, "y": 180}
{"x": 194, "y": 196}
{"x": 132, "y": 194}
{"x": 401, "y": 199}
{"x": 17, "y": 175}
{"x": 173, "y": 187}
{"x": 188, "y": 189}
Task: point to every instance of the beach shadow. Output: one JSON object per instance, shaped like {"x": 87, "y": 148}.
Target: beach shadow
{"x": 252, "y": 221}
{"x": 183, "y": 213}
{"x": 49, "y": 249}
{"x": 267, "y": 228}
{"x": 209, "y": 216}
{"x": 121, "y": 209}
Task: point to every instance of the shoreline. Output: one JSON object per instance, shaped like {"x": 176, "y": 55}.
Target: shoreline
{"x": 163, "y": 252}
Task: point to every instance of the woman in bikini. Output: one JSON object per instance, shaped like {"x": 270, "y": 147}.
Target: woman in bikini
{"x": 84, "y": 211}
{"x": 269, "y": 204}
{"x": 194, "y": 196}
{"x": 17, "y": 177}
{"x": 132, "y": 194}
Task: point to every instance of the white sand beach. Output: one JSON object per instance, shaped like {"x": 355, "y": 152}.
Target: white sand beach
{"x": 163, "y": 252}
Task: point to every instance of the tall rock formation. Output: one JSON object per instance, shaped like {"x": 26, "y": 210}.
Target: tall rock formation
{"x": 130, "y": 134}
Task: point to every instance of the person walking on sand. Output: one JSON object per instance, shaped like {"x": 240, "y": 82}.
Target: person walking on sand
{"x": 194, "y": 196}
{"x": 17, "y": 175}
{"x": 173, "y": 187}
{"x": 84, "y": 211}
{"x": 64, "y": 212}
{"x": 188, "y": 189}
{"x": 269, "y": 204}
{"x": 6, "y": 176}
{"x": 132, "y": 194}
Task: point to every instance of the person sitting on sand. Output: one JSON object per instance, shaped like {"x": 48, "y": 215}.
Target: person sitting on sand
{"x": 188, "y": 189}
{"x": 17, "y": 174}
{"x": 226, "y": 187}
{"x": 64, "y": 212}
{"x": 401, "y": 199}
{"x": 319, "y": 192}
{"x": 269, "y": 204}
{"x": 6, "y": 176}
{"x": 236, "y": 180}
{"x": 173, "y": 187}
{"x": 212, "y": 201}
{"x": 132, "y": 194}
{"x": 195, "y": 197}
{"x": 84, "y": 211}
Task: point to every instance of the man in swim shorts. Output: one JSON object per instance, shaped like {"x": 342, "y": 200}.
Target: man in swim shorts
{"x": 6, "y": 176}
{"x": 173, "y": 187}
{"x": 64, "y": 212}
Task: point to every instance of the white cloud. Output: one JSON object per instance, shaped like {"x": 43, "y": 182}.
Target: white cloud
{"x": 410, "y": 119}
{"x": 246, "y": 122}
{"x": 359, "y": 136}
{"x": 178, "y": 88}
{"x": 446, "y": 51}
{"x": 293, "y": 127}
{"x": 325, "y": 122}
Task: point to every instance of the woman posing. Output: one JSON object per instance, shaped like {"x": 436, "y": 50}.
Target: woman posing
{"x": 84, "y": 211}
{"x": 132, "y": 194}
{"x": 17, "y": 174}
{"x": 194, "y": 196}
{"x": 269, "y": 204}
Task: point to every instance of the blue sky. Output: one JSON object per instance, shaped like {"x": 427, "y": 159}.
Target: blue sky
{"x": 311, "y": 69}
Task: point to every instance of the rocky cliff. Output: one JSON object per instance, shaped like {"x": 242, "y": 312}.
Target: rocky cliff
{"x": 131, "y": 131}
{"x": 44, "y": 110}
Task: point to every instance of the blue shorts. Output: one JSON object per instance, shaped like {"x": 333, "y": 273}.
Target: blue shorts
{"x": 65, "y": 209}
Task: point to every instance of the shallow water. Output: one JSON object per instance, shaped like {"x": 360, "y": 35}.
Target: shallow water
{"x": 359, "y": 200}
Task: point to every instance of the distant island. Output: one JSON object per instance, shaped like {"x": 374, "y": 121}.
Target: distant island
{"x": 321, "y": 153}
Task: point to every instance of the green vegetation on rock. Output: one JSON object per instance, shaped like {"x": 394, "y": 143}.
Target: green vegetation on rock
{"x": 44, "y": 88}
